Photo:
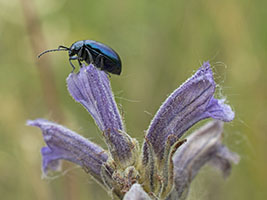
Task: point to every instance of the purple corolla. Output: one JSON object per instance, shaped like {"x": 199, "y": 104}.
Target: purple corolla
{"x": 165, "y": 165}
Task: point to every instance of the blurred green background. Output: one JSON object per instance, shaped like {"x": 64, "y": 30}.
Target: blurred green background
{"x": 161, "y": 44}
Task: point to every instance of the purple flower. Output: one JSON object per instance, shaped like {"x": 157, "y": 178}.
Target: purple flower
{"x": 165, "y": 165}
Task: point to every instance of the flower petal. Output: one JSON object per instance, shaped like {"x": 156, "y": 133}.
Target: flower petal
{"x": 63, "y": 143}
{"x": 91, "y": 88}
{"x": 190, "y": 103}
{"x": 203, "y": 146}
{"x": 136, "y": 193}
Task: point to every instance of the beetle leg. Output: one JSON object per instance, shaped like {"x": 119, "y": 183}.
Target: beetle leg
{"x": 101, "y": 63}
{"x": 100, "y": 60}
{"x": 73, "y": 68}
{"x": 80, "y": 58}
{"x": 80, "y": 55}
{"x": 97, "y": 60}
{"x": 107, "y": 74}
{"x": 73, "y": 58}
{"x": 90, "y": 56}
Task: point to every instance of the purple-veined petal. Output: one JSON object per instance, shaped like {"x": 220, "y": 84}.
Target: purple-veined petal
{"x": 203, "y": 146}
{"x": 63, "y": 143}
{"x": 190, "y": 103}
{"x": 136, "y": 193}
{"x": 91, "y": 88}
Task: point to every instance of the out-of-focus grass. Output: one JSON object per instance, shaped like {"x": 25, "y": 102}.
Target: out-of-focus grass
{"x": 161, "y": 43}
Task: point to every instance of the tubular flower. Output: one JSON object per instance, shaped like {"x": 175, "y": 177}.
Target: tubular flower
{"x": 165, "y": 165}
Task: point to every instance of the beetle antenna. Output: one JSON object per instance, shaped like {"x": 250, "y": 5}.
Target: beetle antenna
{"x": 60, "y": 48}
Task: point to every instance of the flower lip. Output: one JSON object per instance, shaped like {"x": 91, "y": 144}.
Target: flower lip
{"x": 63, "y": 143}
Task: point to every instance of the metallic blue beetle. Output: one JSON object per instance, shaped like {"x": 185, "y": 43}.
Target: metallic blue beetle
{"x": 102, "y": 56}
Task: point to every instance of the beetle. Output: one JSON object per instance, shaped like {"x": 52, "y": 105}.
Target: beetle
{"x": 92, "y": 52}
